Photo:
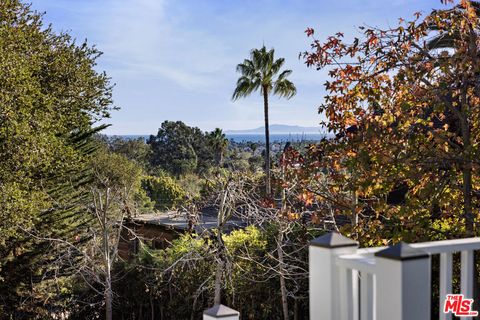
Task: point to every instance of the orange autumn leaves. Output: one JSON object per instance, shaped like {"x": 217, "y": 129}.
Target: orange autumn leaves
{"x": 402, "y": 113}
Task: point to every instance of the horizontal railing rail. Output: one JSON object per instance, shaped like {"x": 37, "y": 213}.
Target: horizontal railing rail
{"x": 348, "y": 283}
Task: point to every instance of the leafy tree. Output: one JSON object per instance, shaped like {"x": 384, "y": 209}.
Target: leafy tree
{"x": 192, "y": 185}
{"x": 262, "y": 72}
{"x": 114, "y": 194}
{"x": 406, "y": 116}
{"x": 239, "y": 161}
{"x": 134, "y": 149}
{"x": 447, "y": 40}
{"x": 164, "y": 191}
{"x": 180, "y": 149}
{"x": 50, "y": 96}
{"x": 159, "y": 282}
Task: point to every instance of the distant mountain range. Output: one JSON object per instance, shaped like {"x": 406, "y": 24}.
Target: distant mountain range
{"x": 279, "y": 129}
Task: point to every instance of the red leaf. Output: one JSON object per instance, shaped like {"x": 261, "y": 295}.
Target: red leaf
{"x": 309, "y": 32}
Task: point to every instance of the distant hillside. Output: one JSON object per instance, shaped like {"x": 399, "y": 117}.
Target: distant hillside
{"x": 279, "y": 128}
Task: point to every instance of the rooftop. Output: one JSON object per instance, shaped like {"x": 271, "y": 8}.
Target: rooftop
{"x": 206, "y": 220}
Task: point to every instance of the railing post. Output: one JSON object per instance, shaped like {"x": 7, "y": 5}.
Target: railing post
{"x": 324, "y": 284}
{"x": 466, "y": 275}
{"x": 403, "y": 283}
{"x": 445, "y": 282}
{"x": 221, "y": 312}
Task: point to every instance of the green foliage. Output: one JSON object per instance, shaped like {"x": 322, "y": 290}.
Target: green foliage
{"x": 240, "y": 161}
{"x": 219, "y": 143}
{"x": 262, "y": 73}
{"x": 50, "y": 94}
{"x": 192, "y": 184}
{"x": 113, "y": 169}
{"x": 167, "y": 293}
{"x": 250, "y": 237}
{"x": 180, "y": 149}
{"x": 122, "y": 176}
{"x": 164, "y": 191}
{"x": 178, "y": 282}
{"x": 134, "y": 149}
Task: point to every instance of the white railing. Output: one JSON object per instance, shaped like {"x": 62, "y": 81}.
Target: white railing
{"x": 383, "y": 283}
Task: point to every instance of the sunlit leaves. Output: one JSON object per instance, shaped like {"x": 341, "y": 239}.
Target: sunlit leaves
{"x": 404, "y": 106}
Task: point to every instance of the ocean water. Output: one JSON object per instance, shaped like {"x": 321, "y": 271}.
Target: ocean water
{"x": 253, "y": 137}
{"x": 280, "y": 137}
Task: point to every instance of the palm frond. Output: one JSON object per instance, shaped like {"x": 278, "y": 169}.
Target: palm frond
{"x": 244, "y": 88}
{"x": 246, "y": 68}
{"x": 284, "y": 74}
{"x": 259, "y": 73}
{"x": 284, "y": 88}
{"x": 277, "y": 65}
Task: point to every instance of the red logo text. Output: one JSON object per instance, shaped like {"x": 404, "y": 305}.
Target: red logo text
{"x": 459, "y": 306}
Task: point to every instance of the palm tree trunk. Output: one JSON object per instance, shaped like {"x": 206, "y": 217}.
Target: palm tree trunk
{"x": 267, "y": 142}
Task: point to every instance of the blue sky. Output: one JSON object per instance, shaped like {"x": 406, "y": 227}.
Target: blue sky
{"x": 175, "y": 59}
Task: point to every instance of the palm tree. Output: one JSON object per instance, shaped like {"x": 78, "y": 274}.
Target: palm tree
{"x": 262, "y": 73}
{"x": 219, "y": 143}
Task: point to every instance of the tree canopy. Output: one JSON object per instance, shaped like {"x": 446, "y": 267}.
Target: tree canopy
{"x": 51, "y": 96}
{"x": 406, "y": 116}
{"x": 180, "y": 149}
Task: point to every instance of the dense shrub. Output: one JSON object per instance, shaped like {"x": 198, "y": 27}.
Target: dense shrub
{"x": 164, "y": 191}
{"x": 178, "y": 282}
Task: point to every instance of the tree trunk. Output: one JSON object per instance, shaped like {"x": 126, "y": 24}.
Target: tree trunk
{"x": 354, "y": 208}
{"x": 107, "y": 263}
{"x": 295, "y": 310}
{"x": 467, "y": 164}
{"x": 218, "y": 284}
{"x": 467, "y": 199}
{"x": 218, "y": 157}
{"x": 108, "y": 300}
{"x": 267, "y": 142}
{"x": 220, "y": 265}
{"x": 467, "y": 182}
{"x": 283, "y": 286}
{"x": 152, "y": 308}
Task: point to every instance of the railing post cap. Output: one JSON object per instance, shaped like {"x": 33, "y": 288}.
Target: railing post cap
{"x": 402, "y": 251}
{"x": 333, "y": 240}
{"x": 220, "y": 311}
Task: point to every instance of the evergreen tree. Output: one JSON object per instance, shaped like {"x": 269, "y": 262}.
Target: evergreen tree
{"x": 50, "y": 98}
